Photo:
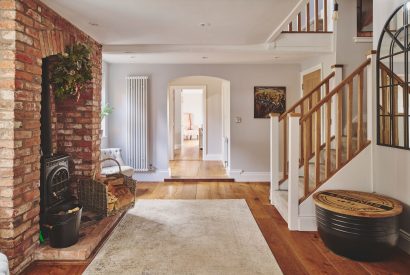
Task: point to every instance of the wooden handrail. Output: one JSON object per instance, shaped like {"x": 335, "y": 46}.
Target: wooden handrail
{"x": 301, "y": 101}
{"x": 393, "y": 74}
{"x": 388, "y": 126}
{"x": 335, "y": 90}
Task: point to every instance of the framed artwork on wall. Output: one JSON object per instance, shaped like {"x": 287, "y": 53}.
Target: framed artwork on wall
{"x": 268, "y": 99}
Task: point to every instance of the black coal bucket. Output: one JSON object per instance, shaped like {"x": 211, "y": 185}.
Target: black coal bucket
{"x": 63, "y": 223}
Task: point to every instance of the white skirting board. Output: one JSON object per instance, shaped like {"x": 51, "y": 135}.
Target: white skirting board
{"x": 243, "y": 176}
{"x": 157, "y": 175}
{"x": 404, "y": 241}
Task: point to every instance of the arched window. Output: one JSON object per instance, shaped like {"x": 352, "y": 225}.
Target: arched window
{"x": 393, "y": 81}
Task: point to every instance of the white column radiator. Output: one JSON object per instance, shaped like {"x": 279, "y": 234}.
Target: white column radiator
{"x": 137, "y": 130}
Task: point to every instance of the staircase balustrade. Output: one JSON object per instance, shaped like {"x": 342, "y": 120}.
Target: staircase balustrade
{"x": 304, "y": 22}
{"x": 321, "y": 133}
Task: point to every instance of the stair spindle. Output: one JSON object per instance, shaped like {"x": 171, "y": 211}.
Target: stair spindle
{"x": 325, "y": 15}
{"x": 302, "y": 131}
{"x": 339, "y": 130}
{"x": 316, "y": 14}
{"x": 349, "y": 112}
{"x": 308, "y": 16}
{"x": 299, "y": 22}
{"x": 328, "y": 164}
{"x": 285, "y": 153}
{"x": 360, "y": 112}
{"x": 306, "y": 159}
{"x": 317, "y": 146}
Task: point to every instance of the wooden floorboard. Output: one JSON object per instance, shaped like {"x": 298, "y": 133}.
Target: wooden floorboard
{"x": 296, "y": 252}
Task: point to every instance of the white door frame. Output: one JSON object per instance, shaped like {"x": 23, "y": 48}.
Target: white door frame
{"x": 171, "y": 118}
{"x": 226, "y": 126}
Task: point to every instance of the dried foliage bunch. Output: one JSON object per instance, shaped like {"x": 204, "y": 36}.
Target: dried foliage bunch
{"x": 72, "y": 71}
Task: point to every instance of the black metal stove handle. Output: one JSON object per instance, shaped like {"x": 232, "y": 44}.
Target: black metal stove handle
{"x": 50, "y": 227}
{"x": 119, "y": 166}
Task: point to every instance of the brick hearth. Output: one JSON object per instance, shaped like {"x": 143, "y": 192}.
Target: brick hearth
{"x": 30, "y": 31}
{"x": 90, "y": 239}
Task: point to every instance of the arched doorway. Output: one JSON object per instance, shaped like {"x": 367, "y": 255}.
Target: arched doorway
{"x": 198, "y": 127}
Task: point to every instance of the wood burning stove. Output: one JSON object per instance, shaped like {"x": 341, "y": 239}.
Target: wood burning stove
{"x": 60, "y": 213}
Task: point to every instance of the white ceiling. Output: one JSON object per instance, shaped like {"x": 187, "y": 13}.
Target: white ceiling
{"x": 198, "y": 58}
{"x": 132, "y": 30}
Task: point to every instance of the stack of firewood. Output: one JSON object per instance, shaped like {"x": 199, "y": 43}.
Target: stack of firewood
{"x": 119, "y": 195}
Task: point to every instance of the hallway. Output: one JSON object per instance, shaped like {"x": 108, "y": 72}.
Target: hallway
{"x": 188, "y": 163}
{"x": 189, "y": 150}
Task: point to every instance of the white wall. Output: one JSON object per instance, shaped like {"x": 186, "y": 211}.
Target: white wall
{"x": 249, "y": 139}
{"x": 104, "y": 98}
{"x": 349, "y": 53}
{"x": 391, "y": 166}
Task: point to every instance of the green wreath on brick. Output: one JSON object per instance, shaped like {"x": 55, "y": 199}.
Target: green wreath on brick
{"x": 72, "y": 71}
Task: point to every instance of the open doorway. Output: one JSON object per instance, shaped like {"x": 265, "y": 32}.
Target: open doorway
{"x": 198, "y": 128}
{"x": 189, "y": 123}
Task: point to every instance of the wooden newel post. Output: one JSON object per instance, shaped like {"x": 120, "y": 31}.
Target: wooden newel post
{"x": 274, "y": 154}
{"x": 293, "y": 179}
{"x": 371, "y": 90}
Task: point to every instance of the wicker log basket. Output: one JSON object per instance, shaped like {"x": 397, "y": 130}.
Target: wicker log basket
{"x": 94, "y": 193}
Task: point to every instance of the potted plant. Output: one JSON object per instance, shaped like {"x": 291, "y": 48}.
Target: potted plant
{"x": 71, "y": 72}
{"x": 106, "y": 110}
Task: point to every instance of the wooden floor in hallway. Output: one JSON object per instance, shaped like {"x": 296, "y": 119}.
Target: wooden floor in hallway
{"x": 189, "y": 150}
{"x": 188, "y": 163}
{"x": 296, "y": 252}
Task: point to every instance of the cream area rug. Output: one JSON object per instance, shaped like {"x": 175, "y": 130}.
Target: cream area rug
{"x": 186, "y": 237}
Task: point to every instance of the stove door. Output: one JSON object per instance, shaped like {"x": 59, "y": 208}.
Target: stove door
{"x": 57, "y": 186}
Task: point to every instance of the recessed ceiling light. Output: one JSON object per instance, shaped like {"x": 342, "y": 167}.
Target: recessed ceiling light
{"x": 93, "y": 24}
{"x": 205, "y": 24}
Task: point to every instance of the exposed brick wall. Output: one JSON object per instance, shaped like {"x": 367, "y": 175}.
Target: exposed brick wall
{"x": 30, "y": 31}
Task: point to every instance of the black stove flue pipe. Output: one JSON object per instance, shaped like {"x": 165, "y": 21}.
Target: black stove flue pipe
{"x": 46, "y": 131}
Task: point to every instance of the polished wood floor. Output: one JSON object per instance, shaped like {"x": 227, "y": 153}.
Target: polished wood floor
{"x": 189, "y": 150}
{"x": 188, "y": 163}
{"x": 296, "y": 252}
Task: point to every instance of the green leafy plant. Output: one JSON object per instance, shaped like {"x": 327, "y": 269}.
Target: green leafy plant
{"x": 106, "y": 110}
{"x": 72, "y": 71}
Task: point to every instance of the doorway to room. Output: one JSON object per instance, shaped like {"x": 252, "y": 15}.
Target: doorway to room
{"x": 198, "y": 128}
{"x": 189, "y": 124}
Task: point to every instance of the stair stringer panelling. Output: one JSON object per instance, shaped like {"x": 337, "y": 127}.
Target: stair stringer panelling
{"x": 356, "y": 175}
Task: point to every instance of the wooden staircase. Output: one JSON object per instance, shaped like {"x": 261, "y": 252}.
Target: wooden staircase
{"x": 321, "y": 133}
